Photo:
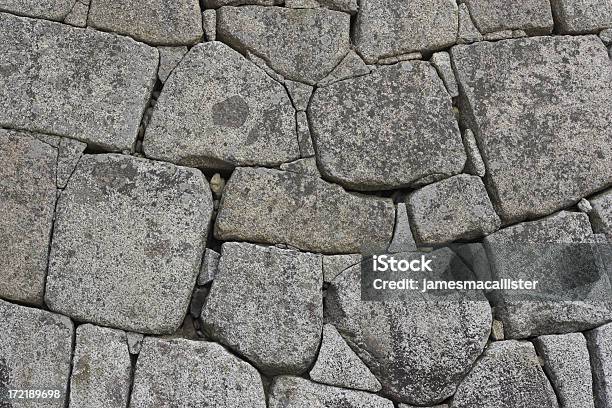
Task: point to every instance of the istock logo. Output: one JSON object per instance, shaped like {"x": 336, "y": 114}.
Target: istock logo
{"x": 384, "y": 263}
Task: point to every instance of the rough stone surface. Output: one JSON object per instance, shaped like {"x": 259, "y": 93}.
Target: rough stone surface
{"x": 300, "y": 94}
{"x": 271, "y": 206}
{"x": 304, "y": 136}
{"x": 507, "y": 376}
{"x": 27, "y": 202}
{"x": 606, "y": 36}
{"x": 68, "y": 155}
{"x": 184, "y": 373}
{"x": 101, "y": 373}
{"x": 388, "y": 28}
{"x": 468, "y": 33}
{"x": 209, "y": 24}
{"x": 134, "y": 341}
{"x": 418, "y": 349}
{"x": 62, "y": 80}
{"x": 220, "y": 3}
{"x": 294, "y": 392}
{"x": 532, "y": 16}
{"x": 334, "y": 265}
{"x": 388, "y": 129}
{"x": 266, "y": 304}
{"x": 441, "y": 61}
{"x": 169, "y": 58}
{"x": 35, "y": 353}
{"x": 306, "y": 166}
{"x": 351, "y": 66}
{"x": 218, "y": 110}
{"x": 567, "y": 301}
{"x": 566, "y": 361}
{"x": 403, "y": 240}
{"x": 78, "y": 14}
{"x": 128, "y": 242}
{"x": 48, "y": 9}
{"x": 559, "y": 88}
{"x": 601, "y": 213}
{"x": 159, "y": 22}
{"x": 338, "y": 365}
{"x": 452, "y": 209}
{"x": 474, "y": 164}
{"x": 210, "y": 266}
{"x": 599, "y": 342}
{"x": 301, "y": 44}
{"x": 582, "y": 16}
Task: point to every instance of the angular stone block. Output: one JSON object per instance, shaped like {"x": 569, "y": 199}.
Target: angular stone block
{"x": 599, "y": 342}
{"x": 301, "y": 44}
{"x": 27, "y": 202}
{"x": 219, "y": 110}
{"x": 532, "y": 16}
{"x": 185, "y": 373}
{"x": 558, "y": 88}
{"x": 390, "y": 129}
{"x": 582, "y": 16}
{"x": 601, "y": 212}
{"x": 266, "y": 304}
{"x": 55, "y": 10}
{"x": 128, "y": 242}
{"x": 279, "y": 207}
{"x": 169, "y": 58}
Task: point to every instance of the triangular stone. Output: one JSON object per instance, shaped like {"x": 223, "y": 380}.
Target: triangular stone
{"x": 350, "y": 67}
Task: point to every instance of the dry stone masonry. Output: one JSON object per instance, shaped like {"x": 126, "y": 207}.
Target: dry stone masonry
{"x": 190, "y": 191}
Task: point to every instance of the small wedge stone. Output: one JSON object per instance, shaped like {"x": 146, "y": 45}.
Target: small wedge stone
{"x": 441, "y": 61}
{"x": 169, "y": 58}
{"x": 351, "y": 66}
{"x": 402, "y": 241}
{"x": 468, "y": 33}
{"x": 601, "y": 213}
{"x": 210, "y": 266}
{"x": 599, "y": 342}
{"x": 474, "y": 164}
{"x": 209, "y": 24}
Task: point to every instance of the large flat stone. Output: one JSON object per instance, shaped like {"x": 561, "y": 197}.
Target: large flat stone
{"x": 390, "y": 129}
{"x": 160, "y": 22}
{"x": 582, "y": 16}
{"x": 508, "y": 375}
{"x": 532, "y": 16}
{"x": 102, "y": 369}
{"x": 35, "y": 354}
{"x": 220, "y": 110}
{"x": 387, "y": 28}
{"x": 574, "y": 289}
{"x": 63, "y": 80}
{"x": 48, "y": 9}
{"x": 278, "y": 207}
{"x": 128, "y": 242}
{"x": 599, "y": 342}
{"x": 556, "y": 88}
{"x": 27, "y": 202}
{"x": 303, "y": 45}
{"x": 295, "y": 392}
{"x": 266, "y": 304}
{"x": 185, "y": 373}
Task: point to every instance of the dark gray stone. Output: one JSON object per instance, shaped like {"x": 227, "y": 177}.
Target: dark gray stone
{"x": 599, "y": 342}
{"x": 532, "y": 16}
{"x": 279, "y": 207}
{"x": 386, "y": 130}
{"x": 559, "y": 88}
{"x": 582, "y": 16}
{"x": 128, "y": 242}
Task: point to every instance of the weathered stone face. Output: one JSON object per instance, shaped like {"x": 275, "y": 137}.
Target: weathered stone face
{"x": 601, "y": 214}
{"x": 388, "y": 28}
{"x": 160, "y": 22}
{"x": 301, "y": 44}
{"x": 532, "y": 16}
{"x": 220, "y": 110}
{"x": 582, "y": 16}
{"x": 63, "y": 80}
{"x": 508, "y": 375}
{"x": 599, "y": 342}
{"x": 27, "y": 202}
{"x": 179, "y": 372}
{"x": 48, "y": 9}
{"x": 272, "y": 206}
{"x": 536, "y": 105}
{"x": 128, "y": 242}
{"x": 35, "y": 352}
{"x": 385, "y": 130}
{"x": 266, "y": 304}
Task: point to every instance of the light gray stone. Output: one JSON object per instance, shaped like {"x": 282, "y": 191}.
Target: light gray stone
{"x": 398, "y": 58}
{"x": 266, "y": 304}
{"x": 599, "y": 342}
{"x": 27, "y": 202}
{"x": 134, "y": 342}
{"x": 601, "y": 214}
{"x": 533, "y": 16}
{"x": 584, "y": 205}
{"x": 574, "y": 290}
{"x": 102, "y": 369}
{"x": 220, "y": 3}
{"x": 35, "y": 354}
{"x": 441, "y": 61}
{"x": 210, "y": 266}
{"x": 499, "y": 35}
{"x": 209, "y": 24}
{"x": 69, "y": 154}
{"x": 218, "y": 110}
{"x": 351, "y": 66}
{"x": 181, "y": 23}
{"x": 48, "y": 9}
{"x": 263, "y": 64}
{"x": 185, "y": 373}
{"x": 62, "y": 80}
{"x": 78, "y": 14}
{"x": 334, "y": 265}
{"x": 300, "y": 94}
{"x": 508, "y": 375}
{"x": 468, "y": 33}
{"x": 559, "y": 88}
{"x": 402, "y": 241}
{"x": 338, "y": 365}
{"x": 348, "y": 6}
{"x": 412, "y": 406}
{"x": 303, "y": 45}
{"x": 304, "y": 136}
{"x": 272, "y": 206}
{"x": 169, "y": 58}
{"x": 386, "y": 130}
{"x": 566, "y": 361}
{"x": 306, "y": 166}
{"x": 295, "y": 392}
{"x": 474, "y": 164}
{"x": 452, "y": 209}
{"x": 127, "y": 243}
{"x": 582, "y": 16}
{"x": 418, "y": 348}
{"x": 387, "y": 28}
{"x": 606, "y": 36}
{"x": 302, "y": 4}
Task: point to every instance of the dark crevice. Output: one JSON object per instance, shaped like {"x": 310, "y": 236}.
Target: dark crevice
{"x": 133, "y": 361}
{"x": 137, "y": 148}
{"x": 71, "y": 368}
